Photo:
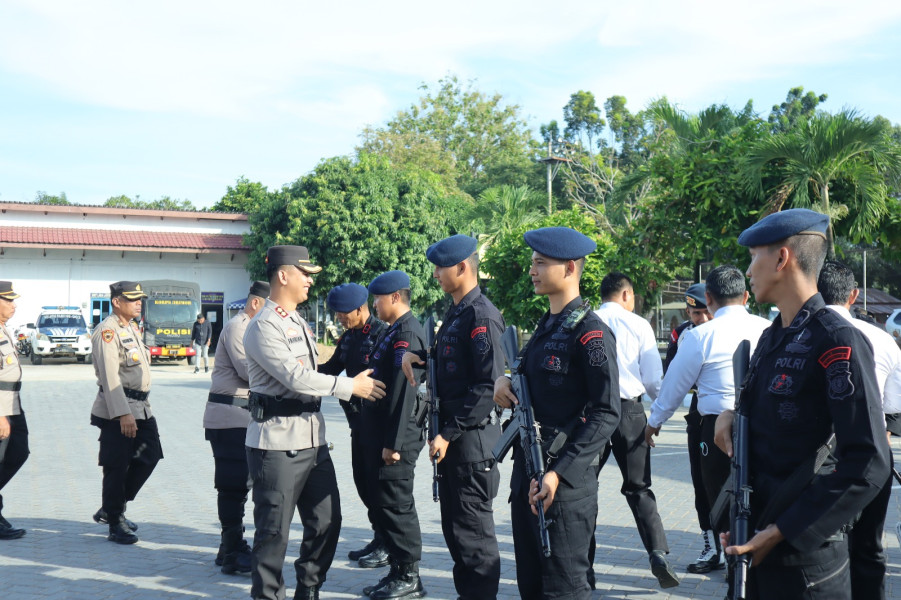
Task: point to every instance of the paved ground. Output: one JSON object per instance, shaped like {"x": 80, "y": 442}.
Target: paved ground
{"x": 65, "y": 555}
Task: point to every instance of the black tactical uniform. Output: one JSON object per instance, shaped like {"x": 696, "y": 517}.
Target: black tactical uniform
{"x": 808, "y": 380}
{"x": 469, "y": 359}
{"x": 574, "y": 384}
{"x": 353, "y": 354}
{"x": 392, "y": 423}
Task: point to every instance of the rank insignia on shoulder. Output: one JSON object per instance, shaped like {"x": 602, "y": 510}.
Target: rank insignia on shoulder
{"x": 107, "y": 335}
{"x": 281, "y": 312}
{"x": 834, "y": 355}
{"x": 401, "y": 344}
{"x": 597, "y": 333}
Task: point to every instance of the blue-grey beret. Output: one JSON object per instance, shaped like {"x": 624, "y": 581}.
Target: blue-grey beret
{"x": 561, "y": 243}
{"x": 259, "y": 288}
{"x": 452, "y": 250}
{"x": 784, "y": 224}
{"x": 347, "y": 297}
{"x": 694, "y": 296}
{"x": 390, "y": 282}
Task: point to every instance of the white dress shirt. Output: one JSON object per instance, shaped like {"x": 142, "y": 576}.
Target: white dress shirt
{"x": 640, "y": 367}
{"x": 888, "y": 360}
{"x": 705, "y": 359}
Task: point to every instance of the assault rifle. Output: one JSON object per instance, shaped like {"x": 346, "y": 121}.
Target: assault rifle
{"x": 522, "y": 427}
{"x": 741, "y": 489}
{"x": 433, "y": 423}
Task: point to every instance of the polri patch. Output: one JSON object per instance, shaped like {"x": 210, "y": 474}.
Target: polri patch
{"x": 839, "y": 376}
{"x": 781, "y": 385}
{"x": 597, "y": 353}
{"x": 108, "y": 335}
{"x": 829, "y": 357}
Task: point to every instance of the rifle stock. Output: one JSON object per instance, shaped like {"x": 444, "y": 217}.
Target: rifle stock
{"x": 741, "y": 489}
{"x": 522, "y": 427}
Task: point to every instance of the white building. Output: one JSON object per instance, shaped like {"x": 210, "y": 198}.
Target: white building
{"x": 68, "y": 255}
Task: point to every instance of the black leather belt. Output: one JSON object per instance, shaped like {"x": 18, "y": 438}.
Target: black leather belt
{"x": 635, "y": 399}
{"x": 10, "y": 386}
{"x": 239, "y": 401}
{"x": 135, "y": 394}
{"x": 265, "y": 407}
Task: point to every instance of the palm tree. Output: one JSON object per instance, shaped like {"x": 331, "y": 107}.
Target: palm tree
{"x": 502, "y": 209}
{"x": 827, "y": 150}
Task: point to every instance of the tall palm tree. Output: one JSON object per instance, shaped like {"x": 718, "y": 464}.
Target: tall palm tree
{"x": 816, "y": 155}
{"x": 504, "y": 208}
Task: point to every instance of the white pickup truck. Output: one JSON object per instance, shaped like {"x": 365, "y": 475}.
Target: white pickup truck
{"x": 60, "y": 331}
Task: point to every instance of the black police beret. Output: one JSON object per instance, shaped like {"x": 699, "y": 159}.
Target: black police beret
{"x": 694, "y": 296}
{"x": 561, "y": 243}
{"x": 6, "y": 290}
{"x": 452, "y": 250}
{"x": 259, "y": 288}
{"x": 298, "y": 256}
{"x": 390, "y": 282}
{"x": 347, "y": 297}
{"x": 784, "y": 224}
{"x": 130, "y": 289}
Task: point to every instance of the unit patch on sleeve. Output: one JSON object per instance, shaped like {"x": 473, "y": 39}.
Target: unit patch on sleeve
{"x": 108, "y": 335}
{"x": 839, "y": 376}
{"x": 591, "y": 335}
{"x": 479, "y": 335}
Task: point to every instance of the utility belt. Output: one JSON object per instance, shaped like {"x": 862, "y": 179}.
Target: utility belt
{"x": 133, "y": 394}
{"x": 554, "y": 438}
{"x": 263, "y": 407}
{"x": 10, "y": 386}
{"x": 239, "y": 401}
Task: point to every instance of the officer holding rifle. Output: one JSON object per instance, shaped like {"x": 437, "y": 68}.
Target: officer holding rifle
{"x": 570, "y": 368}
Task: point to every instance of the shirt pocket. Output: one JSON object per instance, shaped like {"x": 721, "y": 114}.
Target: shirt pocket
{"x": 8, "y": 356}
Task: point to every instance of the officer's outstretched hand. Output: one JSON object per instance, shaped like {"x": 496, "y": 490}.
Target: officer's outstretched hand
{"x": 503, "y": 392}
{"x": 128, "y": 426}
{"x": 367, "y": 387}
{"x": 722, "y": 431}
{"x": 758, "y": 546}
{"x": 649, "y": 433}
{"x": 406, "y": 365}
{"x": 546, "y": 494}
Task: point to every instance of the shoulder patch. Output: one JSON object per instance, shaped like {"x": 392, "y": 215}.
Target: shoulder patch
{"x": 477, "y": 331}
{"x": 281, "y": 312}
{"x": 834, "y": 355}
{"x": 591, "y": 335}
{"x": 366, "y": 328}
{"x": 108, "y": 335}
{"x": 401, "y": 344}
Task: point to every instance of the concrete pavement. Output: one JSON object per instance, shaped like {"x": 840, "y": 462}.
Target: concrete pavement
{"x": 65, "y": 555}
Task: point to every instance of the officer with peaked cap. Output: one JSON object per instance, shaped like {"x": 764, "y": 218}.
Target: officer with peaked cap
{"x": 392, "y": 438}
{"x": 129, "y": 438}
{"x": 225, "y": 420}
{"x": 468, "y": 357}
{"x": 287, "y": 454}
{"x": 570, "y": 365}
{"x": 13, "y": 428}
{"x": 353, "y": 353}
{"x": 696, "y": 310}
{"x": 811, "y": 376}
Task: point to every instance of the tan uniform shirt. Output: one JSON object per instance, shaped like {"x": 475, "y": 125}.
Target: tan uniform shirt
{"x": 120, "y": 361}
{"x": 281, "y": 361}
{"x": 229, "y": 376}
{"x": 10, "y": 372}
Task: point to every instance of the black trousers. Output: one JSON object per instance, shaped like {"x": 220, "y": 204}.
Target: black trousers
{"x": 693, "y": 435}
{"x": 819, "y": 575}
{"x": 16, "y": 450}
{"x": 571, "y": 528}
{"x": 715, "y": 464}
{"x": 633, "y": 455}
{"x": 127, "y": 462}
{"x": 282, "y": 483}
{"x": 467, "y": 490}
{"x": 865, "y": 548}
{"x": 231, "y": 477}
{"x": 358, "y": 466}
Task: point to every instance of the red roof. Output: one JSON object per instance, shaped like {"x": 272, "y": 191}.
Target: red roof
{"x": 99, "y": 239}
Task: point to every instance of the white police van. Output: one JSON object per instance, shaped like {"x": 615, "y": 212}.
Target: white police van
{"x": 60, "y": 331}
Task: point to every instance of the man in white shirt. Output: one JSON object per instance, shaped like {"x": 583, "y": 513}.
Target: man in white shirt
{"x": 640, "y": 372}
{"x": 705, "y": 360}
{"x": 839, "y": 290}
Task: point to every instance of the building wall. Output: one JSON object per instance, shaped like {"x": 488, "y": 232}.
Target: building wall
{"x": 70, "y": 277}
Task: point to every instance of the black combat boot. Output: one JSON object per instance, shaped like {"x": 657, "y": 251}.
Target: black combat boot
{"x": 406, "y": 584}
{"x": 358, "y": 554}
{"x": 100, "y": 517}
{"x": 235, "y": 551}
{"x": 307, "y": 593}
{"x": 392, "y": 573}
{"x": 120, "y": 532}
{"x": 7, "y": 531}
{"x": 375, "y": 559}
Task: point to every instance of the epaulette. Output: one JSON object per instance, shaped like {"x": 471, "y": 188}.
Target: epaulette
{"x": 281, "y": 312}
{"x": 575, "y": 317}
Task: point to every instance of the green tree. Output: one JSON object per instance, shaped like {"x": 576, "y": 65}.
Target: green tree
{"x": 460, "y": 133}
{"x": 508, "y": 260}
{"x": 798, "y": 107}
{"x": 359, "y": 218}
{"x": 501, "y": 209}
{"x": 45, "y": 198}
{"x": 121, "y": 201}
{"x": 584, "y": 123}
{"x": 245, "y": 197}
{"x": 162, "y": 203}
{"x": 824, "y": 154}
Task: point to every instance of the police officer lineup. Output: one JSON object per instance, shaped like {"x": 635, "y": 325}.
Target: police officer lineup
{"x": 815, "y": 398}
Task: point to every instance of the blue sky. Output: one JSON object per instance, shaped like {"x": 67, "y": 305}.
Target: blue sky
{"x": 101, "y": 98}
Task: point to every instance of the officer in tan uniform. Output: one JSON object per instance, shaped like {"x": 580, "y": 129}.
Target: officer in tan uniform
{"x": 225, "y": 420}
{"x": 129, "y": 439}
{"x": 287, "y": 454}
{"x": 13, "y": 429}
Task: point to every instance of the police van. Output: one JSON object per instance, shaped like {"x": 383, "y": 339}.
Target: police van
{"x": 60, "y": 331}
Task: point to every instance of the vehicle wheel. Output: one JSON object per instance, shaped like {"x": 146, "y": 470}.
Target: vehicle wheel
{"x": 88, "y": 359}
{"x": 79, "y": 359}
{"x": 192, "y": 360}
{"x": 36, "y": 359}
